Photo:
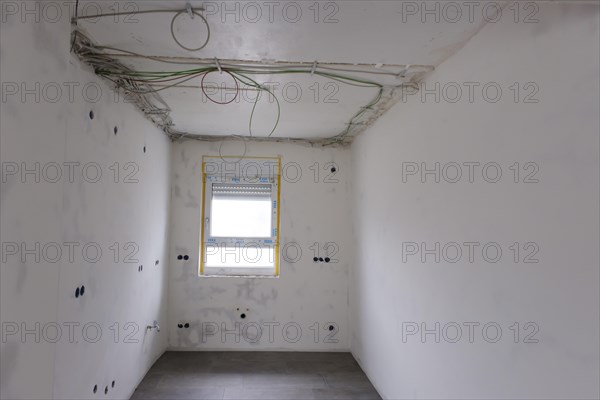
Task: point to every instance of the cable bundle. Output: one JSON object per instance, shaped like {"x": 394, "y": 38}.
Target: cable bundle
{"x": 144, "y": 86}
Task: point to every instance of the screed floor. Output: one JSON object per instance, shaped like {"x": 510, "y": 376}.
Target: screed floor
{"x": 255, "y": 375}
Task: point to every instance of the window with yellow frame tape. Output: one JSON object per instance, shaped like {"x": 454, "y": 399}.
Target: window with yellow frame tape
{"x": 240, "y": 216}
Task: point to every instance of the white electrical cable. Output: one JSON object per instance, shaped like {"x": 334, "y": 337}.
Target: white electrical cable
{"x": 194, "y": 11}
{"x": 178, "y": 42}
{"x": 240, "y": 157}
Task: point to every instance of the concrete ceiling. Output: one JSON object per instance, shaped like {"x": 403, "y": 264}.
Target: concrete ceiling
{"x": 352, "y": 32}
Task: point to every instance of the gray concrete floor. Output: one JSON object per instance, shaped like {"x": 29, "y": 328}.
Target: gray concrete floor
{"x": 255, "y": 375}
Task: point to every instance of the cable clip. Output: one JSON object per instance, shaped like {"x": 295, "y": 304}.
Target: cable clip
{"x": 188, "y": 8}
{"x": 218, "y": 65}
{"x": 313, "y": 69}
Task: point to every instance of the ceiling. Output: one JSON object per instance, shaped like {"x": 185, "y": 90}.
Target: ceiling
{"x": 374, "y": 33}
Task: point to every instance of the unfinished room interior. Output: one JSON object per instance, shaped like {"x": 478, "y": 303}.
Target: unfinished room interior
{"x": 300, "y": 199}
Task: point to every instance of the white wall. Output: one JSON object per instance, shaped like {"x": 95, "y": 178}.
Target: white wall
{"x": 305, "y": 293}
{"x": 560, "y": 214}
{"x": 53, "y": 131}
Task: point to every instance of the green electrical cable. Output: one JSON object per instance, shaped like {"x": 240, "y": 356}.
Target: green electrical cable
{"x": 150, "y": 78}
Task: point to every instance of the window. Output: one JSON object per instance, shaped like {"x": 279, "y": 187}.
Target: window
{"x": 240, "y": 217}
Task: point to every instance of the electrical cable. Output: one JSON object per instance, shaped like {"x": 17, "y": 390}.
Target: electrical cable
{"x": 181, "y": 44}
{"x": 242, "y": 64}
{"x": 177, "y": 12}
{"x": 240, "y": 76}
{"x": 113, "y": 14}
{"x": 74, "y": 22}
{"x": 237, "y": 89}
{"x": 259, "y": 86}
{"x": 241, "y": 157}
{"x": 145, "y": 82}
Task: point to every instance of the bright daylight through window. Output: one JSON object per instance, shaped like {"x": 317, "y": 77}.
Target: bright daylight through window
{"x": 240, "y": 217}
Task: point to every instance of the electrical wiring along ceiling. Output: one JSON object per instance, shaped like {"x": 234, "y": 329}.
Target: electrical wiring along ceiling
{"x": 192, "y": 85}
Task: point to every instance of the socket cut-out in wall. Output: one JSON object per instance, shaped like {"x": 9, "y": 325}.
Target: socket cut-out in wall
{"x": 321, "y": 259}
{"x": 183, "y": 257}
{"x": 243, "y": 313}
{"x": 95, "y": 389}
{"x": 80, "y": 291}
{"x": 140, "y": 268}
{"x": 183, "y": 325}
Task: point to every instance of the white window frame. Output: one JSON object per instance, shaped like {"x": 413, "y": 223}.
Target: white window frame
{"x": 219, "y": 170}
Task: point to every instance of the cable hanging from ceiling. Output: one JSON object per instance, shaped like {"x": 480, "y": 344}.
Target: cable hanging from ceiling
{"x": 150, "y": 83}
{"x": 241, "y": 76}
{"x": 191, "y": 12}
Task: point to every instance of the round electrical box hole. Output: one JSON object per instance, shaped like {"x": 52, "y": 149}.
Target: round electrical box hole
{"x": 242, "y": 316}
{"x": 91, "y": 114}
{"x": 321, "y": 259}
{"x": 315, "y": 259}
{"x": 331, "y": 327}
{"x": 180, "y": 257}
{"x": 115, "y": 130}
{"x": 76, "y": 292}
{"x": 186, "y": 325}
{"x": 82, "y": 290}
{"x": 113, "y": 384}
{"x": 156, "y": 262}
{"x": 327, "y": 259}
{"x": 95, "y": 388}
{"x": 333, "y": 170}
{"x": 186, "y": 257}
{"x": 180, "y": 326}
